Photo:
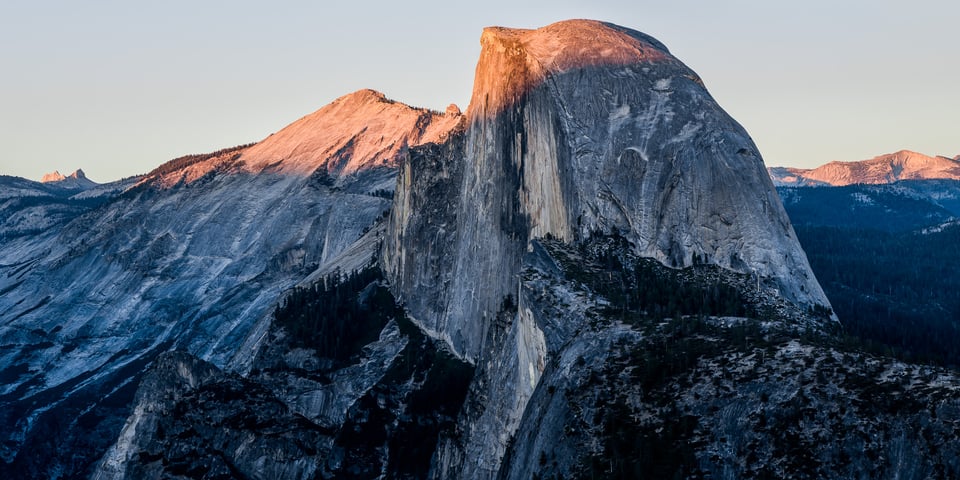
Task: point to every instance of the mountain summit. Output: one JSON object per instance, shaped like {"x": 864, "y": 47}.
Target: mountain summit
{"x": 357, "y": 131}
{"x": 889, "y": 168}
{"x": 54, "y": 176}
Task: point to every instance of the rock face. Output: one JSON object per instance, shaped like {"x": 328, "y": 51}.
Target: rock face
{"x": 192, "y": 257}
{"x": 178, "y": 380}
{"x": 566, "y": 137}
{"x": 889, "y": 168}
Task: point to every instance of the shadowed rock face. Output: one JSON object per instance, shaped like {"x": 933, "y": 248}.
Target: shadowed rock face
{"x": 576, "y": 127}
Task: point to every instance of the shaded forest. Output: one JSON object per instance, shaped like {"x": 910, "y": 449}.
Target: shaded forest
{"x": 339, "y": 314}
{"x": 641, "y": 288}
{"x": 898, "y": 292}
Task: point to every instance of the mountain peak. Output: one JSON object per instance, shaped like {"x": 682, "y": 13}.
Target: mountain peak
{"x": 513, "y": 61}
{"x": 364, "y": 96}
{"x": 54, "y": 176}
{"x": 357, "y": 131}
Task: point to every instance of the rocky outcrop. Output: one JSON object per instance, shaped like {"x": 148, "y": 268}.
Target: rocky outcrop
{"x": 723, "y": 398}
{"x": 301, "y": 412}
{"x": 191, "y": 419}
{"x": 715, "y": 397}
{"x": 889, "y": 168}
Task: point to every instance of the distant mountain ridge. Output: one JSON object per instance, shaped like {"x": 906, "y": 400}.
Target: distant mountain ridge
{"x": 889, "y": 168}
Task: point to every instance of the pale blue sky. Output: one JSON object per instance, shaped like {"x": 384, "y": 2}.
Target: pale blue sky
{"x": 119, "y": 87}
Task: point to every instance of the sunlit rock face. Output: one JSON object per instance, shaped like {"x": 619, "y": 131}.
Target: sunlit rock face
{"x": 193, "y": 257}
{"x": 576, "y": 127}
{"x": 356, "y": 132}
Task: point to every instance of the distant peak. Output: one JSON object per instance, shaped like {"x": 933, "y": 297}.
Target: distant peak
{"x": 54, "y": 176}
{"x": 363, "y": 96}
{"x": 906, "y": 153}
{"x": 74, "y": 181}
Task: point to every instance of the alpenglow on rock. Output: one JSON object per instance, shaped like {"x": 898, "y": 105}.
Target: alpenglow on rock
{"x": 577, "y": 127}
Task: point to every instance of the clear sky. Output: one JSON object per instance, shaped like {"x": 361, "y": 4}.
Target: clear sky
{"x": 119, "y": 87}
